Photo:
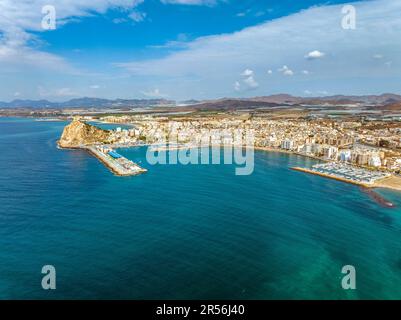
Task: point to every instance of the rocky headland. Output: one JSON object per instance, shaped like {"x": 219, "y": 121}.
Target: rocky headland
{"x": 78, "y": 134}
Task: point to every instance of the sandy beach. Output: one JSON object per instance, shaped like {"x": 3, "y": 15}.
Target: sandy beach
{"x": 393, "y": 182}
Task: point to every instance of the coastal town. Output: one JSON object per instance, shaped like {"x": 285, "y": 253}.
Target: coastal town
{"x": 350, "y": 142}
{"x": 356, "y": 151}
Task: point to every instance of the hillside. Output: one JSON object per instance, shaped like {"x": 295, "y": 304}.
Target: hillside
{"x": 79, "y": 133}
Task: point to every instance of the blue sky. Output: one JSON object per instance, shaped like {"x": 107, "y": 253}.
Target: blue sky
{"x": 202, "y": 49}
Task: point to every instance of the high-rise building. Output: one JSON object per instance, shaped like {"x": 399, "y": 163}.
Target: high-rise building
{"x": 287, "y": 144}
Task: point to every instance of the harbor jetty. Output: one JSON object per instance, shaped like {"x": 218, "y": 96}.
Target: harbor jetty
{"x": 118, "y": 164}
{"x": 98, "y": 142}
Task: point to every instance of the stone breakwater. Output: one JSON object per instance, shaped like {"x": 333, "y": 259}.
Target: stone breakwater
{"x": 80, "y": 135}
{"x": 117, "y": 164}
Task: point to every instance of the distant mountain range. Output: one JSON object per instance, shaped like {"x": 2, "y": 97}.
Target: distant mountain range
{"x": 87, "y": 103}
{"x": 382, "y": 99}
{"x": 225, "y": 103}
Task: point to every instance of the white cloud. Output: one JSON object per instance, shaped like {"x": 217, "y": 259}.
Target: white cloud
{"x": 155, "y": 93}
{"x": 251, "y": 82}
{"x": 214, "y": 60}
{"x": 255, "y": 14}
{"x": 378, "y": 56}
{"x": 25, "y": 15}
{"x": 259, "y": 13}
{"x": 286, "y": 71}
{"x": 65, "y": 92}
{"x": 316, "y": 54}
{"x": 137, "y": 16}
{"x": 237, "y": 86}
{"x": 94, "y": 86}
{"x": 243, "y": 13}
{"x": 269, "y": 71}
{"x": 191, "y": 2}
{"x": 305, "y": 72}
{"x": 317, "y": 93}
{"x": 56, "y": 93}
{"x": 119, "y": 20}
{"x": 18, "y": 19}
{"x": 207, "y": 64}
{"x": 180, "y": 42}
{"x": 247, "y": 73}
{"x": 16, "y": 57}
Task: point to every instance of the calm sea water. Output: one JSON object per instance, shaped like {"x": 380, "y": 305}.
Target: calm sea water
{"x": 185, "y": 232}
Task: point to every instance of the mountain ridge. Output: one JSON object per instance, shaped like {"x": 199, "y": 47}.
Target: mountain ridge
{"x": 85, "y": 102}
{"x": 226, "y": 102}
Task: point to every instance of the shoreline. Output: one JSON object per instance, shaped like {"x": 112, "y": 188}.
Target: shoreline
{"x": 393, "y": 182}
{"x": 270, "y": 149}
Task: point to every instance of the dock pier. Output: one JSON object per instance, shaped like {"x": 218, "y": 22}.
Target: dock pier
{"x": 115, "y": 162}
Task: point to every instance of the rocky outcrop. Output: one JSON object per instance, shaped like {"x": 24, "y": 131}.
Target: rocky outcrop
{"x": 78, "y": 134}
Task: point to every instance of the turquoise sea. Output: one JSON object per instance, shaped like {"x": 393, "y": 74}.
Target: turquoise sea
{"x": 185, "y": 232}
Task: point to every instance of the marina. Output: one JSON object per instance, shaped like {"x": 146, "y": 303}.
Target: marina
{"x": 347, "y": 173}
{"x": 118, "y": 164}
